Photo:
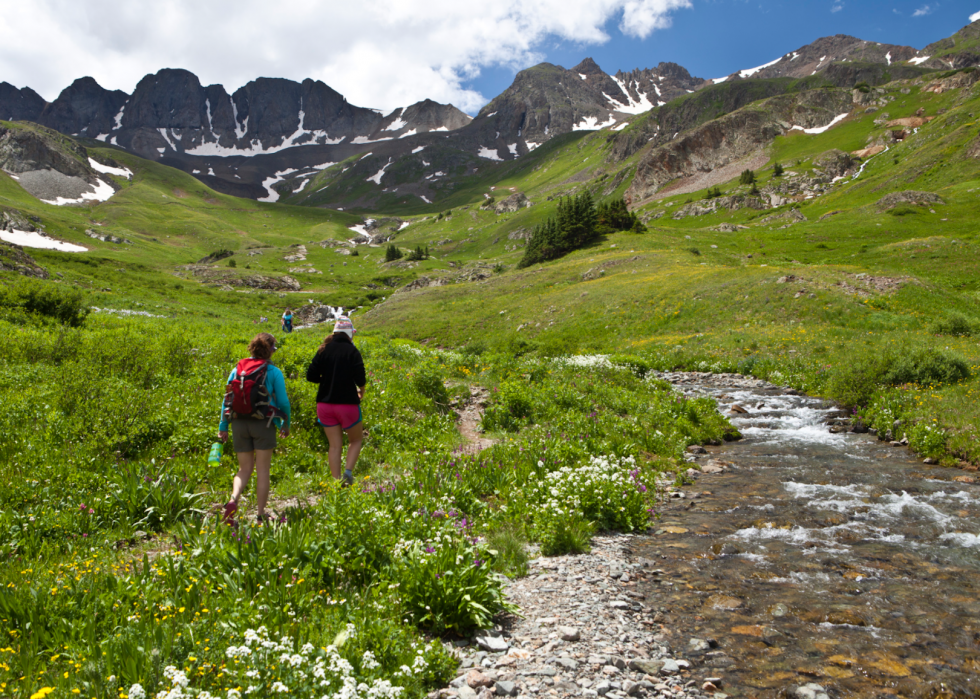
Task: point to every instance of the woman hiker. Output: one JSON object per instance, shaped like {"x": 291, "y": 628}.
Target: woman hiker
{"x": 338, "y": 368}
{"x": 257, "y": 406}
{"x": 287, "y": 321}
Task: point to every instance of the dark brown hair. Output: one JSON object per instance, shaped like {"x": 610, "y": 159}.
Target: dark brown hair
{"x": 262, "y": 346}
{"x": 330, "y": 338}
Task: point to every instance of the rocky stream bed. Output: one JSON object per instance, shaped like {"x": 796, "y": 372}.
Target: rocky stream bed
{"x": 806, "y": 560}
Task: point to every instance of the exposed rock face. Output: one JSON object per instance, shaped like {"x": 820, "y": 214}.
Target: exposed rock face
{"x": 709, "y": 206}
{"x": 733, "y": 137}
{"x": 85, "y": 108}
{"x": 26, "y": 149}
{"x": 824, "y": 52}
{"x": 548, "y": 100}
{"x": 19, "y": 104}
{"x": 890, "y": 201}
{"x": 14, "y": 259}
{"x": 951, "y": 52}
{"x": 515, "y": 202}
{"x": 173, "y": 118}
{"x": 834, "y": 163}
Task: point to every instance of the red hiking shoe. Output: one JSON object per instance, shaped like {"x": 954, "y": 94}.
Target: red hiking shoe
{"x": 228, "y": 516}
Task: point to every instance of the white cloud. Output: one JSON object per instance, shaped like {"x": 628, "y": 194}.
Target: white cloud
{"x": 838, "y": 6}
{"x": 975, "y": 16}
{"x": 376, "y": 53}
{"x": 923, "y": 11}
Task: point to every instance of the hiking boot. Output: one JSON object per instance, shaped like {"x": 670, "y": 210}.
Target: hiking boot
{"x": 346, "y": 481}
{"x": 265, "y": 518}
{"x": 228, "y": 516}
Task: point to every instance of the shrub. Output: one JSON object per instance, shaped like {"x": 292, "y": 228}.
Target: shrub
{"x": 232, "y": 263}
{"x": 928, "y": 366}
{"x": 712, "y": 193}
{"x": 747, "y": 177}
{"x": 955, "y": 324}
{"x": 511, "y": 407}
{"x": 47, "y": 299}
{"x": 777, "y": 170}
{"x": 863, "y": 87}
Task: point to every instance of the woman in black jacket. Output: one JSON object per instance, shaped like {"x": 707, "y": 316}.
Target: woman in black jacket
{"x": 338, "y": 368}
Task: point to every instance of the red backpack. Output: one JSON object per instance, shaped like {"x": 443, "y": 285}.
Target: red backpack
{"x": 246, "y": 394}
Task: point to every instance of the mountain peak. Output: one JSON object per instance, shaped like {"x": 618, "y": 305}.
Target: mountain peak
{"x": 587, "y": 66}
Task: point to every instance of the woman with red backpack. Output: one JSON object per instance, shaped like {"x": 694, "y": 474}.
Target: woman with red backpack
{"x": 257, "y": 406}
{"x": 338, "y": 368}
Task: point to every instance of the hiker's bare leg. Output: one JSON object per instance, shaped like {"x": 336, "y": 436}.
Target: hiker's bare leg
{"x": 263, "y": 464}
{"x": 335, "y": 435}
{"x": 246, "y": 461}
{"x": 355, "y": 436}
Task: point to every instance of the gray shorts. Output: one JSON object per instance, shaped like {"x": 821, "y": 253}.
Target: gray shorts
{"x": 249, "y": 434}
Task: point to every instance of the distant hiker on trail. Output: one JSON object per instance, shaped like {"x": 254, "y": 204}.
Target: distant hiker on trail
{"x": 338, "y": 368}
{"x": 287, "y": 321}
{"x": 256, "y": 405}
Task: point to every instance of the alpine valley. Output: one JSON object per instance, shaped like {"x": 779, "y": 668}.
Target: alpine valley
{"x": 553, "y": 299}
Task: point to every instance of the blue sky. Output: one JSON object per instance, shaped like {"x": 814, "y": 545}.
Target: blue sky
{"x": 717, "y": 37}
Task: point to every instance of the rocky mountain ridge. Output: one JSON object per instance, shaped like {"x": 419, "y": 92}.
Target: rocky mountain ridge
{"x": 203, "y": 130}
{"x": 273, "y": 137}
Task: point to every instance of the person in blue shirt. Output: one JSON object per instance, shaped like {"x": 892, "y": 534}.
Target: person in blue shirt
{"x": 287, "y": 320}
{"x": 254, "y": 438}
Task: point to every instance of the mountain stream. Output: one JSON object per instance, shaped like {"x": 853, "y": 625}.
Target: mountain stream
{"x": 817, "y": 558}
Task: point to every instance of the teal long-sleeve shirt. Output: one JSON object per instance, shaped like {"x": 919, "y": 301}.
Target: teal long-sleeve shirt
{"x": 275, "y": 384}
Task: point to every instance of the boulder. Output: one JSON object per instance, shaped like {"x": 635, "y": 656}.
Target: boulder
{"x": 515, "y": 202}
{"x": 14, "y": 259}
{"x": 890, "y": 201}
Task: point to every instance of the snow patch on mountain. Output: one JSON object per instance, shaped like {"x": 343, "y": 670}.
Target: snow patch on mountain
{"x": 489, "y": 154}
{"x": 820, "y": 129}
{"x": 633, "y": 107}
{"x": 418, "y": 150}
{"x": 100, "y": 192}
{"x": 397, "y": 125}
{"x": 106, "y": 169}
{"x": 749, "y": 72}
{"x": 919, "y": 59}
{"x": 591, "y": 123}
{"x": 376, "y": 177}
{"x": 33, "y": 239}
{"x": 268, "y": 182}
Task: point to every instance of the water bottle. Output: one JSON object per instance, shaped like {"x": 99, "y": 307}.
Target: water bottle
{"x": 214, "y": 458}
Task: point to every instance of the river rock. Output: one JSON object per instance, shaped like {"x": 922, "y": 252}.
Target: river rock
{"x": 698, "y": 644}
{"x": 603, "y": 688}
{"x": 569, "y": 633}
{"x": 493, "y": 644}
{"x": 465, "y": 692}
{"x": 696, "y": 449}
{"x": 647, "y": 667}
{"x": 725, "y": 602}
{"x": 810, "y": 691}
{"x": 476, "y": 679}
{"x": 670, "y": 667}
{"x": 505, "y": 688}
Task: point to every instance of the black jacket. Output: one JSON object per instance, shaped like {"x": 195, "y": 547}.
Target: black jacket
{"x": 339, "y": 370}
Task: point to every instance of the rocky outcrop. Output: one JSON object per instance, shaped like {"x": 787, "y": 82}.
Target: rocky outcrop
{"x": 25, "y": 149}
{"x": 890, "y": 201}
{"x": 710, "y": 206}
{"x": 14, "y": 259}
{"x": 953, "y": 52}
{"x": 515, "y": 202}
{"x": 734, "y": 137}
{"x": 231, "y": 278}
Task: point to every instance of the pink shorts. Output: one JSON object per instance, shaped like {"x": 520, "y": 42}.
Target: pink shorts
{"x": 344, "y": 414}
